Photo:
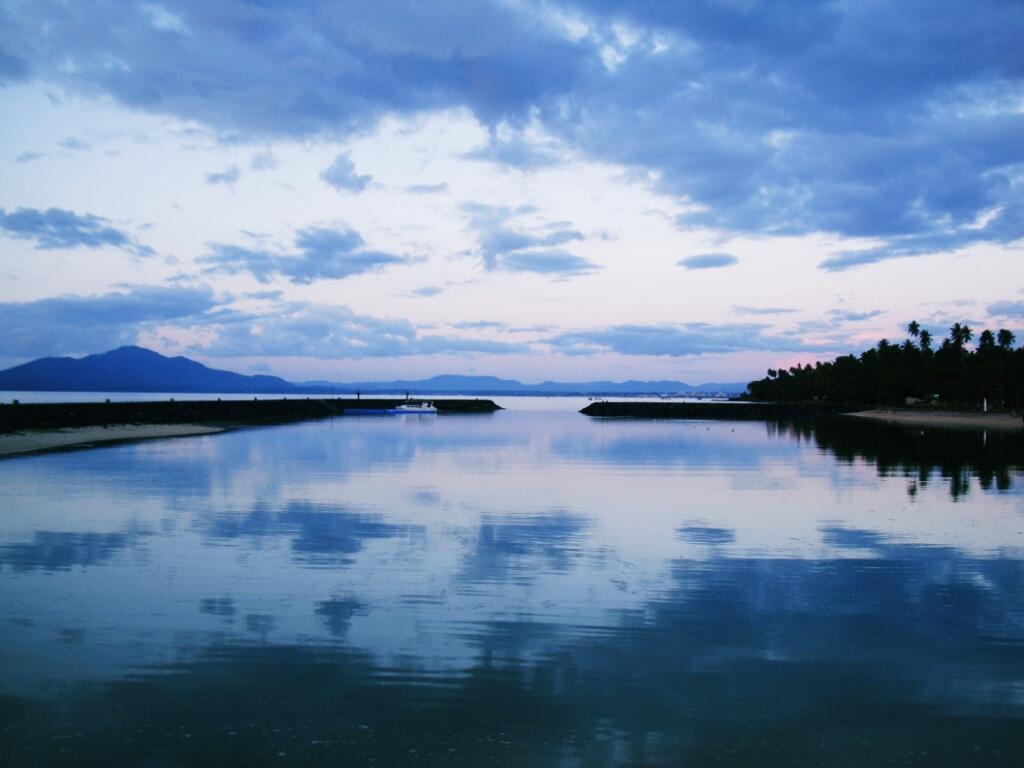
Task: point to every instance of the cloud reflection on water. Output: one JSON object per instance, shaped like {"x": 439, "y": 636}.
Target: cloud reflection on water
{"x": 533, "y": 589}
{"x": 318, "y": 535}
{"x": 519, "y": 547}
{"x": 63, "y": 550}
{"x": 915, "y": 657}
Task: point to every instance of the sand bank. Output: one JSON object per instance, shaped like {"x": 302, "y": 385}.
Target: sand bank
{"x": 944, "y": 419}
{"x": 37, "y": 440}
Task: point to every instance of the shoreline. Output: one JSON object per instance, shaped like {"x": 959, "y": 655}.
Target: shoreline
{"x": 944, "y": 419}
{"x": 33, "y": 441}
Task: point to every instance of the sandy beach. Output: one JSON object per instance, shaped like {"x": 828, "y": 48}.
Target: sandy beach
{"x": 38, "y": 440}
{"x": 944, "y": 419}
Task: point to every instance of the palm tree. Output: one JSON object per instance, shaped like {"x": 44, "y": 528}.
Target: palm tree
{"x": 1005, "y": 338}
{"x": 914, "y": 329}
{"x": 925, "y": 338}
{"x": 960, "y": 334}
{"x": 955, "y": 332}
{"x": 987, "y": 339}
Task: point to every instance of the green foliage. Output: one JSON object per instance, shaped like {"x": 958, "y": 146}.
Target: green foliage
{"x": 889, "y": 374}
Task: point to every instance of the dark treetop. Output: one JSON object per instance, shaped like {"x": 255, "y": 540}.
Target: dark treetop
{"x": 951, "y": 373}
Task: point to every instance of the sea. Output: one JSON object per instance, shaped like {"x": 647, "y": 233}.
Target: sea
{"x": 532, "y": 587}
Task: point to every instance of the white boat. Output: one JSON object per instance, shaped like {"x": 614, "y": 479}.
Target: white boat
{"x": 414, "y": 408}
{"x": 408, "y": 406}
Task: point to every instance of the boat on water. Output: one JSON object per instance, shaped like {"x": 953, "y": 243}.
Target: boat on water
{"x": 412, "y": 407}
{"x": 425, "y": 407}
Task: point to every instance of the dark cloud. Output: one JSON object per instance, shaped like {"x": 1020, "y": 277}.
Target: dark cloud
{"x": 329, "y": 332}
{"x": 56, "y": 228}
{"x": 320, "y": 253}
{"x": 73, "y": 324}
{"x": 13, "y": 68}
{"x": 299, "y": 69}
{"x": 265, "y": 295}
{"x": 833, "y": 320}
{"x": 263, "y": 161}
{"x": 551, "y": 262}
{"x": 228, "y": 176}
{"x": 503, "y": 245}
{"x": 76, "y": 324}
{"x": 708, "y": 261}
{"x": 479, "y": 324}
{"x": 858, "y": 119}
{"x": 516, "y": 153}
{"x": 740, "y": 310}
{"x": 852, "y": 315}
{"x": 673, "y": 340}
{"x": 427, "y": 189}
{"x": 1007, "y": 309}
{"x": 1004, "y": 226}
{"x": 342, "y": 175}
{"x": 794, "y": 127}
{"x": 75, "y": 144}
{"x": 847, "y": 259}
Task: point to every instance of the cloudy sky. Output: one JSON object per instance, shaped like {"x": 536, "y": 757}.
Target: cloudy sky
{"x": 567, "y": 190}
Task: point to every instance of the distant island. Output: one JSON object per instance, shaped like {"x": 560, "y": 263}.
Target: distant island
{"x": 135, "y": 369}
{"x": 914, "y": 372}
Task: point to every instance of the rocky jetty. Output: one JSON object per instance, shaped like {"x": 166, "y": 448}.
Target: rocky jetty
{"x": 732, "y": 411}
{"x": 213, "y": 412}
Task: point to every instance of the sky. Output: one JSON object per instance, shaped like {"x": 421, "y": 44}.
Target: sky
{"x": 538, "y": 190}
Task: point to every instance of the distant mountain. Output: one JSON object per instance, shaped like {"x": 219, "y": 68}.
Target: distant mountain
{"x": 444, "y": 383}
{"x": 490, "y": 385}
{"x": 134, "y": 369}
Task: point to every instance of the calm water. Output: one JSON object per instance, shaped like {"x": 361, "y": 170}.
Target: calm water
{"x": 531, "y": 587}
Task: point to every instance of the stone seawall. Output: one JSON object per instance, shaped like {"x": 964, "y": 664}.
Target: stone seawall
{"x": 718, "y": 410}
{"x": 217, "y": 412}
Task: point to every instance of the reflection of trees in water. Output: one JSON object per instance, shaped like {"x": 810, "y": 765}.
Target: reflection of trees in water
{"x": 908, "y": 655}
{"x": 918, "y": 454}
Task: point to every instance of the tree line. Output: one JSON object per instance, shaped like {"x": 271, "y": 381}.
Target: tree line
{"x": 954, "y": 373}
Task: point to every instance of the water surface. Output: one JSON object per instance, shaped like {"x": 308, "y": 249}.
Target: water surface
{"x": 531, "y": 587}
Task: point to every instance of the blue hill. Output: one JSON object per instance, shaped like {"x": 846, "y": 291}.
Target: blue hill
{"x": 134, "y": 369}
